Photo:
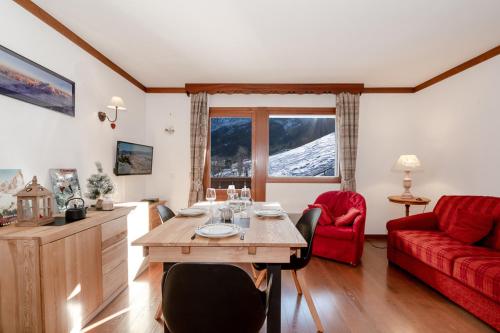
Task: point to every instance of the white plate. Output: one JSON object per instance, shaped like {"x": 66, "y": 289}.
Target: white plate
{"x": 269, "y": 212}
{"x": 192, "y": 212}
{"x": 217, "y": 230}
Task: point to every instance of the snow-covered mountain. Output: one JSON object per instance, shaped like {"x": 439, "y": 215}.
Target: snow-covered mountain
{"x": 316, "y": 158}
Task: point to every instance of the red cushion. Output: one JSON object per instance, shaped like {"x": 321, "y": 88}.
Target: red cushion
{"x": 470, "y": 227}
{"x": 480, "y": 273}
{"x": 435, "y": 248}
{"x": 348, "y": 218}
{"x": 331, "y": 231}
{"x": 325, "y": 217}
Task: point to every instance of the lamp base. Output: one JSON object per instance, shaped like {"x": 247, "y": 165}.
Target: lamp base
{"x": 407, "y": 185}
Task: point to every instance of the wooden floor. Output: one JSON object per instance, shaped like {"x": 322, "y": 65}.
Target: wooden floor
{"x": 373, "y": 297}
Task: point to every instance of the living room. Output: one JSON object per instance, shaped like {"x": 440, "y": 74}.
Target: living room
{"x": 417, "y": 80}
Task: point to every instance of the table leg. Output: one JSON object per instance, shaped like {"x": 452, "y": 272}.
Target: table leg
{"x": 274, "y": 311}
{"x": 407, "y": 210}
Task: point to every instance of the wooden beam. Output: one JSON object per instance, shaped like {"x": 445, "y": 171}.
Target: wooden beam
{"x": 460, "y": 68}
{"x": 66, "y": 32}
{"x": 165, "y": 90}
{"x": 388, "y": 90}
{"x": 274, "y": 88}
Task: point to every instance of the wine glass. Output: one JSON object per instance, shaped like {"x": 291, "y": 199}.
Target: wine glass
{"x": 211, "y": 196}
{"x": 245, "y": 196}
{"x": 231, "y": 192}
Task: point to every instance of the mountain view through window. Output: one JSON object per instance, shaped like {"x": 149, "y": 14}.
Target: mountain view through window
{"x": 301, "y": 146}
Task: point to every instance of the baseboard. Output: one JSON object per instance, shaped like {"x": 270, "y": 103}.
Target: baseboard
{"x": 375, "y": 237}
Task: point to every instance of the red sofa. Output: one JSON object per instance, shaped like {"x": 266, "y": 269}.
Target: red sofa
{"x": 343, "y": 244}
{"x": 469, "y": 275}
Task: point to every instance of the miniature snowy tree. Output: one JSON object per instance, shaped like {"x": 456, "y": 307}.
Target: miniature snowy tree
{"x": 99, "y": 184}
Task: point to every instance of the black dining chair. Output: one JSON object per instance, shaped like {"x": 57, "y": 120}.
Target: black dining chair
{"x": 165, "y": 213}
{"x": 208, "y": 298}
{"x": 306, "y": 226}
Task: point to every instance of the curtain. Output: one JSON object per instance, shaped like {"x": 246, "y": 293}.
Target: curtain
{"x": 347, "y": 111}
{"x": 198, "y": 145}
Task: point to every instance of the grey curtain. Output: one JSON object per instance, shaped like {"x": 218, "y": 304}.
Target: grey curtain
{"x": 347, "y": 110}
{"x": 198, "y": 145}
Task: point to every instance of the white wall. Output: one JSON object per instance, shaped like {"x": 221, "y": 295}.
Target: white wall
{"x": 453, "y": 127}
{"x": 35, "y": 139}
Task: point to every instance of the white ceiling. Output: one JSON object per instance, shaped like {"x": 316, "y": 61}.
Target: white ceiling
{"x": 379, "y": 43}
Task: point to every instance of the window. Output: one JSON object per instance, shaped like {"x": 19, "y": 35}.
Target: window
{"x": 230, "y": 151}
{"x": 256, "y": 146}
{"x": 301, "y": 145}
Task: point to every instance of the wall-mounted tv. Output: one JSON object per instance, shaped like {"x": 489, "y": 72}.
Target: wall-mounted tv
{"x": 133, "y": 159}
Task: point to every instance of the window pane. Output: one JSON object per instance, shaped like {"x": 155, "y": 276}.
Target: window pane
{"x": 230, "y": 152}
{"x": 302, "y": 146}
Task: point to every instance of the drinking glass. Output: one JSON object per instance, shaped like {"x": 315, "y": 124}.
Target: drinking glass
{"x": 211, "y": 196}
{"x": 231, "y": 192}
{"x": 245, "y": 196}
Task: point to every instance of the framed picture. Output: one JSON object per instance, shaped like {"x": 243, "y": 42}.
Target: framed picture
{"x": 25, "y": 80}
{"x": 65, "y": 185}
{"x": 11, "y": 182}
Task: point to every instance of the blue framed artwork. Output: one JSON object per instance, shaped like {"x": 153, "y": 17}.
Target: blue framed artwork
{"x": 27, "y": 81}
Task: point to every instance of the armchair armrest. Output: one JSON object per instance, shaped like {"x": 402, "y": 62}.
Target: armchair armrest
{"x": 425, "y": 221}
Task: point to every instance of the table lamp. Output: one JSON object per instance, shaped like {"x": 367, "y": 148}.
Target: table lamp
{"x": 407, "y": 163}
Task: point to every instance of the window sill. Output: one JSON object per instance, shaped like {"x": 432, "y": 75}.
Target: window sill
{"x": 311, "y": 180}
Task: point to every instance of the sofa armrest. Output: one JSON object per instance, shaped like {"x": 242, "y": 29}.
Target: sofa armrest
{"x": 425, "y": 221}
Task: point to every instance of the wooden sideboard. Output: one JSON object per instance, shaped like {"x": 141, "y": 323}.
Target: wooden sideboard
{"x": 57, "y": 278}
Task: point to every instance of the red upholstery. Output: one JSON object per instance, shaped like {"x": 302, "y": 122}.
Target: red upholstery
{"x": 467, "y": 274}
{"x": 480, "y": 273}
{"x": 343, "y": 244}
{"x": 435, "y": 248}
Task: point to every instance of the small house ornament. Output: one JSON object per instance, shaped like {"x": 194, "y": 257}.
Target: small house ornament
{"x": 34, "y": 205}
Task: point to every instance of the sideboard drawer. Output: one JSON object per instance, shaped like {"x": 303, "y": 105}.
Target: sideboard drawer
{"x": 114, "y": 255}
{"x": 113, "y": 232}
{"x": 114, "y": 280}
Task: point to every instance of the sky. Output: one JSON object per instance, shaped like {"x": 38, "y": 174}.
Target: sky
{"x": 34, "y": 72}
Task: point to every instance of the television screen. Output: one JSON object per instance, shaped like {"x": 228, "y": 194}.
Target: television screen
{"x": 133, "y": 159}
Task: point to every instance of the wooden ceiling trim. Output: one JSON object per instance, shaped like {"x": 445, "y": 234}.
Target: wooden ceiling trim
{"x": 65, "y": 31}
{"x": 460, "y": 68}
{"x": 273, "y": 88}
{"x": 388, "y": 90}
{"x": 165, "y": 90}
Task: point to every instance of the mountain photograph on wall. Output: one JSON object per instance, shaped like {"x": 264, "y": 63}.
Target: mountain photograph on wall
{"x": 22, "y": 79}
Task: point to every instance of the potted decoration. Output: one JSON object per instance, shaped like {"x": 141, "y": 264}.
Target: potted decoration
{"x": 99, "y": 187}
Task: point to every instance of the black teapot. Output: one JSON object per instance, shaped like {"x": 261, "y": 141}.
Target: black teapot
{"x": 75, "y": 213}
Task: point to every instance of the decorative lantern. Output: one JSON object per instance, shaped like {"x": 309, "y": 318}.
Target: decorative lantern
{"x": 34, "y": 205}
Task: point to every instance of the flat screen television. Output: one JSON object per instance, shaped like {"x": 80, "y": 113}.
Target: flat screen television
{"x": 133, "y": 159}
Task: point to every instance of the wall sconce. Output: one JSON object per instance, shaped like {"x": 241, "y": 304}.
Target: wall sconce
{"x": 116, "y": 103}
{"x": 170, "y": 130}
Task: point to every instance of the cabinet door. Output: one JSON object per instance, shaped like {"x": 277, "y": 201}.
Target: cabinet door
{"x": 71, "y": 270}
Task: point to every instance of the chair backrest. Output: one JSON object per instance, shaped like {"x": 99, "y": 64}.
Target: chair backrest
{"x": 211, "y": 298}
{"x": 306, "y": 226}
{"x": 165, "y": 213}
{"x": 339, "y": 202}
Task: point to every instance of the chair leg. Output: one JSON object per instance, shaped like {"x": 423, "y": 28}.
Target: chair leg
{"x": 310, "y": 304}
{"x": 260, "y": 278}
{"x": 158, "y": 314}
{"x": 297, "y": 283}
{"x": 254, "y": 273}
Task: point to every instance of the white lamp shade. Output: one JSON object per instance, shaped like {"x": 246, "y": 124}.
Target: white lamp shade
{"x": 407, "y": 163}
{"x": 117, "y": 103}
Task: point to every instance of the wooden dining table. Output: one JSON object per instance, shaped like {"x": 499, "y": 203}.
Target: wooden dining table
{"x": 266, "y": 240}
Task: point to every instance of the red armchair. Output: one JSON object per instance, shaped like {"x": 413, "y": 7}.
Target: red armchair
{"x": 343, "y": 244}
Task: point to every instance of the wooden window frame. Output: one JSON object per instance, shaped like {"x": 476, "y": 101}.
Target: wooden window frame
{"x": 260, "y": 146}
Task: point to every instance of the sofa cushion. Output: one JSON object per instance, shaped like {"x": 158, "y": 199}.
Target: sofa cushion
{"x": 470, "y": 227}
{"x": 335, "y": 232}
{"x": 480, "y": 273}
{"x": 435, "y": 248}
{"x": 348, "y": 218}
{"x": 448, "y": 205}
{"x": 325, "y": 218}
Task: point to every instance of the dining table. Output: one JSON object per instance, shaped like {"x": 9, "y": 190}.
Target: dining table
{"x": 269, "y": 240}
